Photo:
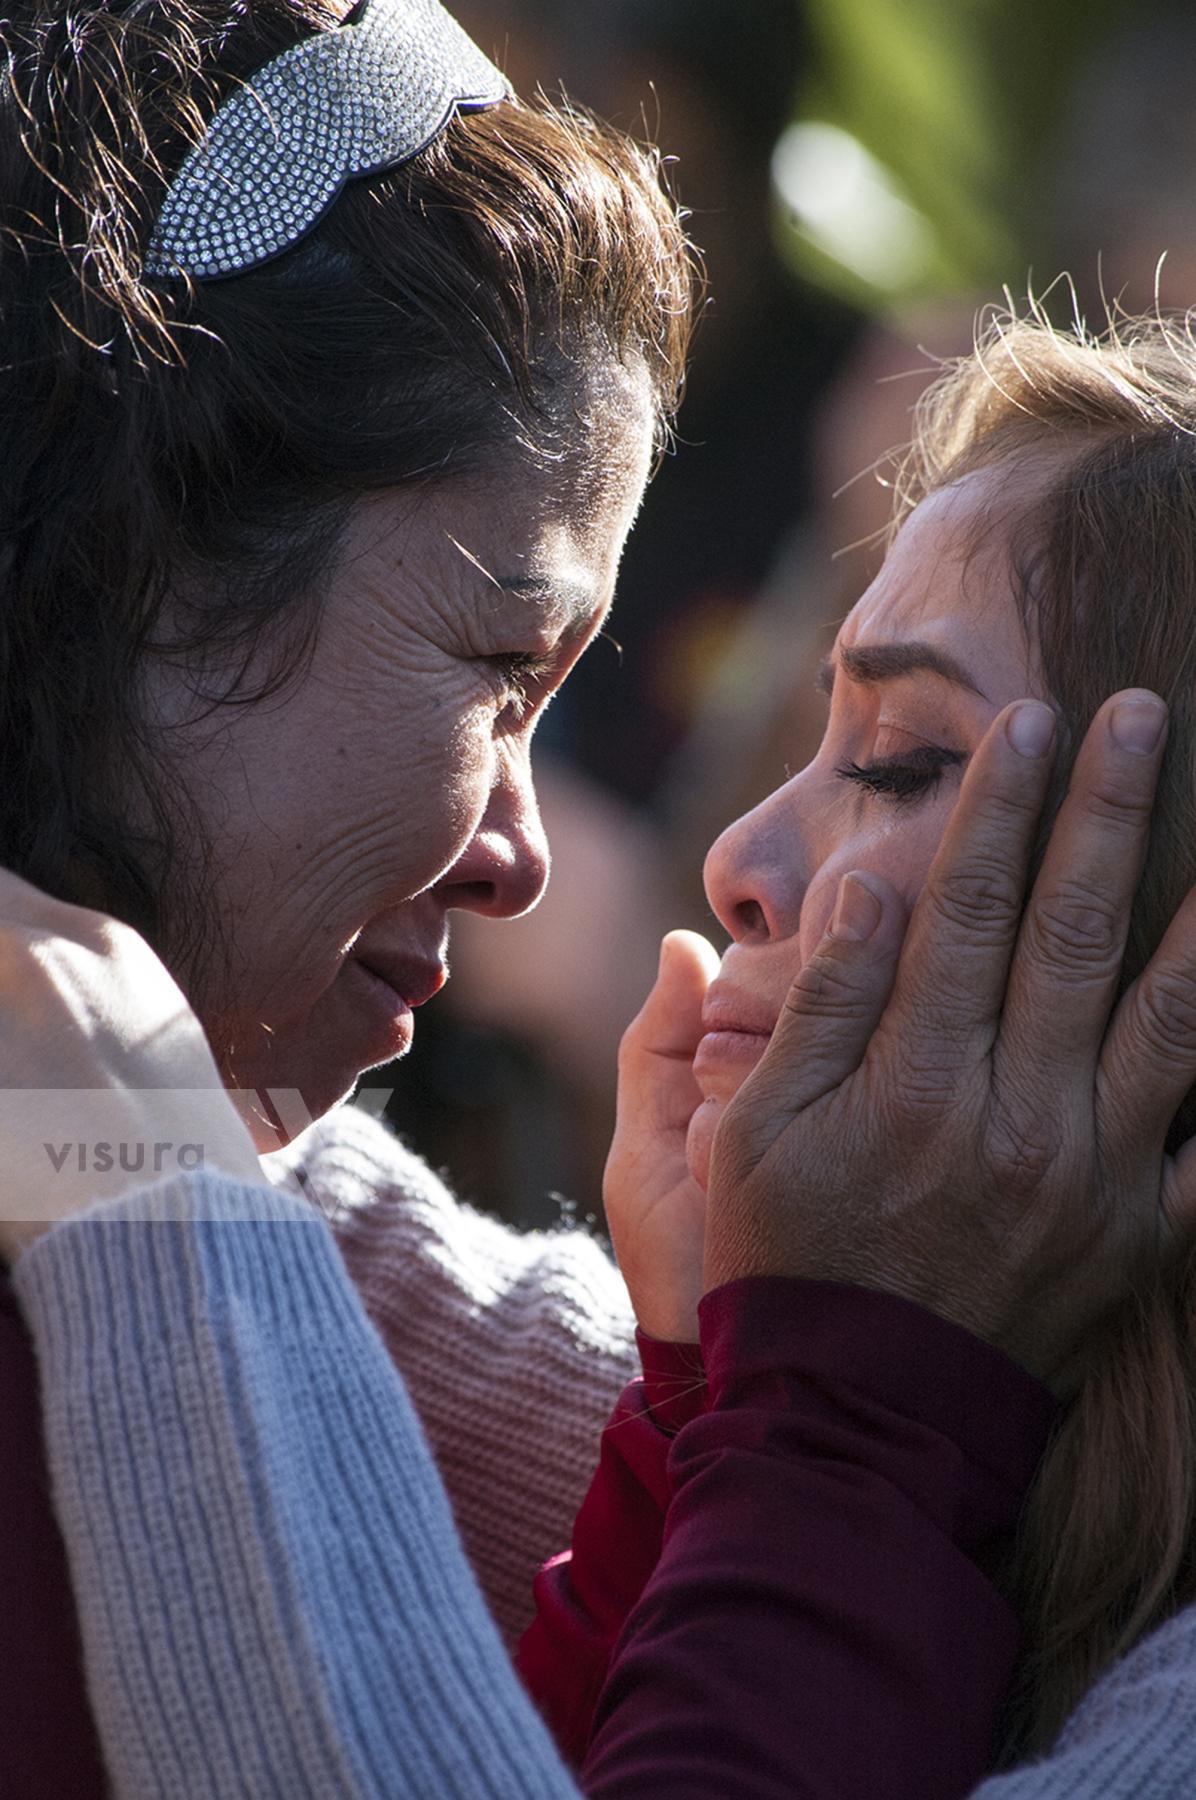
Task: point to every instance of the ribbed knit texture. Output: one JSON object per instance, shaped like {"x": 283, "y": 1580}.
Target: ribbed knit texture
{"x": 272, "y": 1593}
{"x": 1132, "y": 1737}
{"x": 514, "y": 1346}
{"x": 273, "y": 1598}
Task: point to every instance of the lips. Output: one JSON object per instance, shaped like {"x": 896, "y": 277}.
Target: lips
{"x": 412, "y": 978}
{"x": 736, "y": 1030}
{"x": 725, "y": 1010}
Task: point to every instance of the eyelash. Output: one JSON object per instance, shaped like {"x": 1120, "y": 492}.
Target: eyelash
{"x": 903, "y": 780}
{"x": 521, "y": 671}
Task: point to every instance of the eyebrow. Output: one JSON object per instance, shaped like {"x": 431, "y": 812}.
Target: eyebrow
{"x": 574, "y": 597}
{"x": 873, "y": 663}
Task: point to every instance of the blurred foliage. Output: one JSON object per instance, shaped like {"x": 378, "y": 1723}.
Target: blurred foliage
{"x": 957, "y": 100}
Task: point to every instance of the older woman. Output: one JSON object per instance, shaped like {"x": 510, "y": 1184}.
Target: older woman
{"x": 328, "y": 404}
{"x": 337, "y": 502}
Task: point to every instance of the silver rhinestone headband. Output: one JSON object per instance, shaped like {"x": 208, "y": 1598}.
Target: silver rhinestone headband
{"x": 353, "y": 101}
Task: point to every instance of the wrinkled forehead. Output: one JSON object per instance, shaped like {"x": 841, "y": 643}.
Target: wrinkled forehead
{"x": 594, "y": 410}
{"x": 949, "y": 576}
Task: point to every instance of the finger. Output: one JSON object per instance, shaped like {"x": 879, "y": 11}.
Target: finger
{"x": 1067, "y": 961}
{"x": 1179, "y": 1197}
{"x": 1148, "y": 1061}
{"x": 670, "y": 1021}
{"x": 656, "y": 1079}
{"x": 832, "y": 1008}
{"x": 950, "y": 985}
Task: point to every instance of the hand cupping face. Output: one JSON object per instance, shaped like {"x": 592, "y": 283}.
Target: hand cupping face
{"x": 948, "y": 1115}
{"x": 106, "y": 1078}
{"x": 920, "y": 668}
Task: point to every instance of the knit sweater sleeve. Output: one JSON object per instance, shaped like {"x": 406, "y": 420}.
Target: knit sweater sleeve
{"x": 273, "y": 1598}
{"x": 1130, "y": 1738}
{"x": 513, "y": 1345}
{"x": 272, "y": 1595}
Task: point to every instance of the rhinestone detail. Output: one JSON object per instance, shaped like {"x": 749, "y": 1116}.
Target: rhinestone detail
{"x": 353, "y": 101}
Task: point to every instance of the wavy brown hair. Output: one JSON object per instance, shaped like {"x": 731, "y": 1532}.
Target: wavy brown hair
{"x": 190, "y": 451}
{"x": 1104, "y": 567}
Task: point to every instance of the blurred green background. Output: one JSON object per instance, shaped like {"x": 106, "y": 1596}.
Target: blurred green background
{"x": 959, "y": 102}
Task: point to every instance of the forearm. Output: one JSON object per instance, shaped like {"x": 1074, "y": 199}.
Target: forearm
{"x": 830, "y": 1521}
{"x": 583, "y": 1598}
{"x": 273, "y": 1600}
{"x": 272, "y": 1596}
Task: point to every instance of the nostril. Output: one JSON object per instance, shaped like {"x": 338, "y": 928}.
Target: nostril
{"x": 749, "y": 919}
{"x": 477, "y": 895}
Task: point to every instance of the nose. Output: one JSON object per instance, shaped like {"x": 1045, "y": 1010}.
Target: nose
{"x": 756, "y": 871}
{"x": 503, "y": 870}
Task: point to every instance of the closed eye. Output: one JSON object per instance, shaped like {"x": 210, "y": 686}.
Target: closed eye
{"x": 522, "y": 672}
{"x": 903, "y": 779}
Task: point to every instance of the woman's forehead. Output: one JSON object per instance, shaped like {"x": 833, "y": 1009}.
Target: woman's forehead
{"x": 947, "y": 579}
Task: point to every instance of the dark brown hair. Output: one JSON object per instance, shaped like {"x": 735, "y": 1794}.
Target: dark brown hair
{"x": 201, "y": 444}
{"x": 1104, "y": 566}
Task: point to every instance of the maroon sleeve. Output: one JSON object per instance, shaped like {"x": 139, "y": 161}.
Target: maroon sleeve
{"x": 820, "y": 1621}
{"x": 48, "y": 1742}
{"x": 584, "y": 1596}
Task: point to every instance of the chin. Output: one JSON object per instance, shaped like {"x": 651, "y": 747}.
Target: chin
{"x": 280, "y": 1096}
{"x": 289, "y": 1074}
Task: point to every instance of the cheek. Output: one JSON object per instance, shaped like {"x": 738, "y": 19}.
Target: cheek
{"x": 421, "y": 799}
{"x": 899, "y": 846}
{"x": 326, "y": 815}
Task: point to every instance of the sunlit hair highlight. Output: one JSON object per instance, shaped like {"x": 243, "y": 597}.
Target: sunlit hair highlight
{"x": 1103, "y": 563}
{"x": 179, "y": 459}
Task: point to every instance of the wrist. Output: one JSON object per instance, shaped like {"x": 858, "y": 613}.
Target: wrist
{"x": 674, "y": 1380}
{"x": 667, "y": 1322}
{"x": 775, "y": 1341}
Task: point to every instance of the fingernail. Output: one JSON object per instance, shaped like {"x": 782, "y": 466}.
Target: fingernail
{"x": 857, "y": 911}
{"x": 1031, "y": 729}
{"x": 1137, "y": 725}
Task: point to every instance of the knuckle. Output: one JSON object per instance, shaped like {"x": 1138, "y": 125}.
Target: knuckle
{"x": 1122, "y": 802}
{"x": 923, "y": 1095}
{"x": 108, "y": 935}
{"x": 1166, "y": 1010}
{"x": 919, "y": 1105}
{"x": 915, "y": 1082}
{"x": 1075, "y": 929}
{"x": 1023, "y": 1150}
{"x": 982, "y": 900}
{"x": 629, "y": 1044}
{"x": 1006, "y": 806}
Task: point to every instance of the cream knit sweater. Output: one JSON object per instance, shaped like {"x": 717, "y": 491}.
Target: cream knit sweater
{"x": 514, "y": 1347}
{"x": 273, "y": 1599}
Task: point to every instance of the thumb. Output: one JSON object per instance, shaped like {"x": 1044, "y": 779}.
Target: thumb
{"x": 656, "y": 1055}
{"x": 832, "y": 1008}
{"x": 670, "y": 1021}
